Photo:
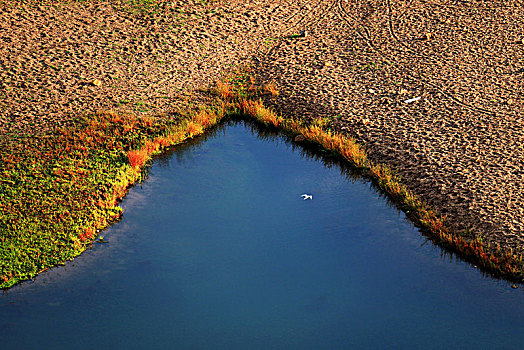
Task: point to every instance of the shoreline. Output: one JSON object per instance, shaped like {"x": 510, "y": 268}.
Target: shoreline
{"x": 460, "y": 159}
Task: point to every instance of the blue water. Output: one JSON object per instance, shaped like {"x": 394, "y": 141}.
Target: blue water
{"x": 217, "y": 250}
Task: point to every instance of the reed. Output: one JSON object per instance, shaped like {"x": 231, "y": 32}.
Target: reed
{"x": 271, "y": 89}
{"x": 137, "y": 158}
{"x": 224, "y": 90}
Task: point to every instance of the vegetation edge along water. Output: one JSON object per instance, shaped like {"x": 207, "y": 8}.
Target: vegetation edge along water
{"x": 57, "y": 191}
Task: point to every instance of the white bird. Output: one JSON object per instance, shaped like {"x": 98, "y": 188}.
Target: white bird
{"x": 307, "y": 196}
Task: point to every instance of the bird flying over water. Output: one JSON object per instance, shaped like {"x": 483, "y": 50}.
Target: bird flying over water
{"x": 307, "y": 196}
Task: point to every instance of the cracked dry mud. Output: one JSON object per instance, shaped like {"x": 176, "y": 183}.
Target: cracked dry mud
{"x": 460, "y": 146}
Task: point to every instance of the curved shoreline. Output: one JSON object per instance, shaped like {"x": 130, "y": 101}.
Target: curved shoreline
{"x": 463, "y": 159}
{"x": 471, "y": 246}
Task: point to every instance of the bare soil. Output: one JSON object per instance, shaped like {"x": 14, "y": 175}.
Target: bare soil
{"x": 460, "y": 146}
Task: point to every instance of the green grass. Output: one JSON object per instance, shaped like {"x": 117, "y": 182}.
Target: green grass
{"x": 145, "y": 6}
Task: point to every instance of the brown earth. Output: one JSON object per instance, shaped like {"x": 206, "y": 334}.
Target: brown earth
{"x": 460, "y": 146}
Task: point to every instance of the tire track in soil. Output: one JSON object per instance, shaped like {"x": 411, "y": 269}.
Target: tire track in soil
{"x": 432, "y": 59}
{"x": 465, "y": 37}
{"x": 420, "y": 77}
{"x": 269, "y": 29}
{"x": 150, "y": 63}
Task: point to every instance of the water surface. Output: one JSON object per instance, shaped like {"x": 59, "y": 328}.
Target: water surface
{"x": 217, "y": 250}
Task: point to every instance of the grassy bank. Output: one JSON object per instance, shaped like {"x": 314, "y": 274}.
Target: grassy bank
{"x": 57, "y": 191}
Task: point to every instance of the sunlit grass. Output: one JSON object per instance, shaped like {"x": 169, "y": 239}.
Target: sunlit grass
{"x": 58, "y": 190}
{"x": 271, "y": 89}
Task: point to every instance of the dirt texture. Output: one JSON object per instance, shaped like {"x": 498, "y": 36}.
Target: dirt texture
{"x": 61, "y": 59}
{"x": 358, "y": 64}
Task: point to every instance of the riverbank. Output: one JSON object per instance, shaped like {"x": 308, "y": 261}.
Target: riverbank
{"x": 352, "y": 74}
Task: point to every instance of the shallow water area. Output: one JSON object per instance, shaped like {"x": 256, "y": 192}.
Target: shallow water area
{"x": 217, "y": 250}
